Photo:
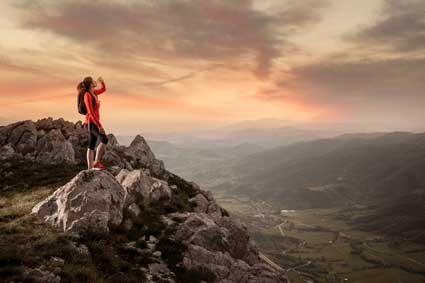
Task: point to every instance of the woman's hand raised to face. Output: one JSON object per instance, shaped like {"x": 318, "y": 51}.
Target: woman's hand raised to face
{"x": 100, "y": 79}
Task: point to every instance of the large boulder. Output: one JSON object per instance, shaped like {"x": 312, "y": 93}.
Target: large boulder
{"x": 23, "y": 136}
{"x": 136, "y": 184}
{"x": 114, "y": 156}
{"x": 224, "y": 235}
{"x": 45, "y": 124}
{"x": 221, "y": 267}
{"x": 142, "y": 188}
{"x": 53, "y": 148}
{"x": 221, "y": 250}
{"x": 92, "y": 201}
{"x": 139, "y": 153}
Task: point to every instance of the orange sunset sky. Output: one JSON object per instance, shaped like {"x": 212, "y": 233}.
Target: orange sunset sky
{"x": 177, "y": 65}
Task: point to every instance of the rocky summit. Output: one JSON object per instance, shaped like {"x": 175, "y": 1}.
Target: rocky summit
{"x": 165, "y": 228}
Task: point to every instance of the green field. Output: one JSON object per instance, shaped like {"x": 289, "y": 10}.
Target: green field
{"x": 318, "y": 246}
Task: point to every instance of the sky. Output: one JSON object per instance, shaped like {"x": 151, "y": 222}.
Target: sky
{"x": 185, "y": 64}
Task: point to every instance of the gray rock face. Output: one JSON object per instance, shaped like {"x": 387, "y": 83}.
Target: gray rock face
{"x": 53, "y": 148}
{"x": 137, "y": 186}
{"x": 49, "y": 141}
{"x": 7, "y": 152}
{"x": 92, "y": 201}
{"x": 222, "y": 249}
{"x": 22, "y": 135}
{"x": 141, "y": 152}
{"x": 160, "y": 193}
{"x": 200, "y": 203}
{"x": 140, "y": 187}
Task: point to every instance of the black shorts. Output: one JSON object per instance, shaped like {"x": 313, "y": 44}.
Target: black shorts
{"x": 94, "y": 135}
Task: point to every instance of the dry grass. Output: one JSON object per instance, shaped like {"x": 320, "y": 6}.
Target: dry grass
{"x": 17, "y": 204}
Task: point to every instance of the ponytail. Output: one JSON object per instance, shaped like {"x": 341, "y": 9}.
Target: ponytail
{"x": 80, "y": 87}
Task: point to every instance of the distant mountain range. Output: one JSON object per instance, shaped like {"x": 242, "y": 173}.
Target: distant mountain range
{"x": 365, "y": 165}
{"x": 383, "y": 172}
{"x": 266, "y": 133}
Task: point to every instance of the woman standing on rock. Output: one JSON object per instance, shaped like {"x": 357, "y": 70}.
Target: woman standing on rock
{"x": 89, "y": 104}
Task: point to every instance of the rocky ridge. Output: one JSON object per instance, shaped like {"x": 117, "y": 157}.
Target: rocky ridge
{"x": 179, "y": 232}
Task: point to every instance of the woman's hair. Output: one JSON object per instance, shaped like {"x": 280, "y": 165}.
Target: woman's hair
{"x": 84, "y": 86}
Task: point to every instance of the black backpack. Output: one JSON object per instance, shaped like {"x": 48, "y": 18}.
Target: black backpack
{"x": 82, "y": 109}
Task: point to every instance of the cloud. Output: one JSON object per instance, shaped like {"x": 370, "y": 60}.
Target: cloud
{"x": 401, "y": 27}
{"x": 379, "y": 75}
{"x": 366, "y": 79}
{"x": 6, "y": 65}
{"x": 389, "y": 92}
{"x": 196, "y": 30}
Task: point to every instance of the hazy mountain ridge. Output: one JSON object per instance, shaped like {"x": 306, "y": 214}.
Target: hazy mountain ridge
{"x": 383, "y": 171}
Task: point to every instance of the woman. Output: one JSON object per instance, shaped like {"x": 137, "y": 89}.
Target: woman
{"x": 92, "y": 122}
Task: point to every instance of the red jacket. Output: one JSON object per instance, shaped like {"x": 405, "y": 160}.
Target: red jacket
{"x": 93, "y": 114}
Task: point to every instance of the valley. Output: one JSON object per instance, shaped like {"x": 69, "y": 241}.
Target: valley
{"x": 342, "y": 209}
{"x": 319, "y": 246}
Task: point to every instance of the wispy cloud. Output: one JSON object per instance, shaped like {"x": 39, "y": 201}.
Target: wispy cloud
{"x": 213, "y": 31}
{"x": 401, "y": 27}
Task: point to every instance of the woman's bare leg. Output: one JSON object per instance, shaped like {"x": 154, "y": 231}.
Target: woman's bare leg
{"x": 90, "y": 157}
{"x": 99, "y": 151}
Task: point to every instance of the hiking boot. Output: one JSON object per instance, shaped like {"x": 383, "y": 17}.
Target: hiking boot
{"x": 99, "y": 165}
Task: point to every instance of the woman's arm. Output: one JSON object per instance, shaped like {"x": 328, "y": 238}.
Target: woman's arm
{"x": 102, "y": 89}
{"x": 88, "y": 100}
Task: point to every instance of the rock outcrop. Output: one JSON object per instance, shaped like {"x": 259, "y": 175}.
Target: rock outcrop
{"x": 91, "y": 202}
{"x": 179, "y": 232}
{"x": 49, "y": 142}
{"x": 211, "y": 244}
{"x": 222, "y": 248}
{"x": 53, "y": 148}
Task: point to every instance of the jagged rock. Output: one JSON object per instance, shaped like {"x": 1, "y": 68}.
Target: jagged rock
{"x": 201, "y": 229}
{"x": 139, "y": 153}
{"x": 92, "y": 201}
{"x": 237, "y": 238}
{"x": 141, "y": 187}
{"x": 160, "y": 193}
{"x": 215, "y": 210}
{"x": 53, "y": 148}
{"x": 112, "y": 157}
{"x": 45, "y": 124}
{"x": 157, "y": 168}
{"x": 112, "y": 140}
{"x": 221, "y": 267}
{"x": 200, "y": 203}
{"x": 7, "y": 152}
{"x": 51, "y": 141}
{"x": 4, "y": 134}
{"x": 136, "y": 184}
{"x": 24, "y": 137}
{"x": 221, "y": 250}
